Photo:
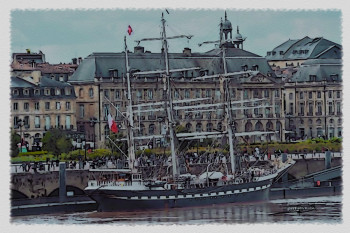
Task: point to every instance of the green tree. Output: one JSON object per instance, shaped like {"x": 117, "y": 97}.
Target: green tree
{"x": 15, "y": 139}
{"x": 56, "y": 142}
{"x": 116, "y": 138}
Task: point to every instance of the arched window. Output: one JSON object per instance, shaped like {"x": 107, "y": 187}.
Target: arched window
{"x": 279, "y": 129}
{"x": 91, "y": 93}
{"x": 259, "y": 126}
{"x": 269, "y": 126}
{"x": 151, "y": 129}
{"x": 199, "y": 127}
{"x": 248, "y": 127}
{"x": 142, "y": 129}
{"x": 189, "y": 127}
{"x": 81, "y": 93}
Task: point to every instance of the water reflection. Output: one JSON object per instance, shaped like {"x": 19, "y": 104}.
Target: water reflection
{"x": 320, "y": 209}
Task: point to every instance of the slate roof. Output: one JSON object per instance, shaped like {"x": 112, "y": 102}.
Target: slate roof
{"x": 324, "y": 69}
{"x": 99, "y": 64}
{"x": 305, "y": 48}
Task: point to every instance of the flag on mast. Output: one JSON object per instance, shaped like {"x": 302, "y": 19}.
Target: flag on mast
{"x": 129, "y": 30}
{"x": 112, "y": 125}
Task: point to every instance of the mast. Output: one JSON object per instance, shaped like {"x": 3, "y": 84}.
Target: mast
{"x": 169, "y": 102}
{"x": 229, "y": 114}
{"x": 130, "y": 120}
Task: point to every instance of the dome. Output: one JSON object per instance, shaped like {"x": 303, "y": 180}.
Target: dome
{"x": 227, "y": 25}
{"x": 238, "y": 36}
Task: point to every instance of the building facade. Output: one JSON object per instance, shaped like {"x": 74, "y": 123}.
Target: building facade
{"x": 313, "y": 98}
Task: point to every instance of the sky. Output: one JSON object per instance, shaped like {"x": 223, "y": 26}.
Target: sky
{"x": 65, "y": 34}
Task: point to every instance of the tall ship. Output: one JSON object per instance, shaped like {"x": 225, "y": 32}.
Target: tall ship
{"x": 219, "y": 183}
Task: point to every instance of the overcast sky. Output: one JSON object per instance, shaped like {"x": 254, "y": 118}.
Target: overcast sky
{"x": 64, "y": 34}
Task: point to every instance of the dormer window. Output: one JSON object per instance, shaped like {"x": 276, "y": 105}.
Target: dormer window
{"x": 306, "y": 51}
{"x": 312, "y": 78}
{"x": 113, "y": 73}
{"x": 268, "y": 53}
{"x": 244, "y": 67}
{"x": 295, "y": 51}
{"x": 334, "y": 77}
{"x": 281, "y": 52}
{"x": 58, "y": 91}
{"x": 25, "y": 92}
{"x": 53, "y": 77}
{"x": 61, "y": 78}
{"x": 37, "y": 92}
{"x": 255, "y": 67}
{"x": 273, "y": 53}
{"x": 47, "y": 91}
{"x": 67, "y": 91}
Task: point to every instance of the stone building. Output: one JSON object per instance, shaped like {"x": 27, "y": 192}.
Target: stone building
{"x": 293, "y": 53}
{"x": 38, "y": 104}
{"x": 100, "y": 85}
{"x": 313, "y": 98}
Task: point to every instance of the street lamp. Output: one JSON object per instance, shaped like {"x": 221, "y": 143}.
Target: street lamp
{"x": 93, "y": 121}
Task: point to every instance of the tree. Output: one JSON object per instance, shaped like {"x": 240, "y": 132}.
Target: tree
{"x": 15, "y": 139}
{"x": 116, "y": 139}
{"x": 56, "y": 142}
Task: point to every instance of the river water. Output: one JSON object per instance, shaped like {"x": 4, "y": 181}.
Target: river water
{"x": 306, "y": 210}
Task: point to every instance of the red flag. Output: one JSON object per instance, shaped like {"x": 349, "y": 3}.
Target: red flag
{"x": 129, "y": 30}
{"x": 112, "y": 125}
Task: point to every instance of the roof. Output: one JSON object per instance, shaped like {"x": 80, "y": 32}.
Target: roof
{"x": 100, "y": 64}
{"x": 329, "y": 70}
{"x": 17, "y": 82}
{"x": 305, "y": 48}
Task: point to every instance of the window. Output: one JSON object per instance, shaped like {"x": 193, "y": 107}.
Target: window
{"x": 139, "y": 94}
{"x": 312, "y": 78}
{"x": 25, "y": 92}
{"x": 81, "y": 111}
{"x": 318, "y": 94}
{"x": 68, "y": 91}
{"x": 37, "y": 122}
{"x": 208, "y": 93}
{"x": 330, "y": 108}
{"x": 58, "y": 121}
{"x": 281, "y": 52}
{"x": 311, "y": 109}
{"x": 310, "y": 94}
{"x": 198, "y": 94}
{"x": 117, "y": 113}
{"x": 81, "y": 93}
{"x": 58, "y": 91}
{"x": 176, "y": 94}
{"x": 338, "y": 108}
{"x": 47, "y": 105}
{"x": 67, "y": 106}
{"x": 266, "y": 93}
{"x": 150, "y": 94}
{"x": 302, "y": 109}
{"x": 301, "y": 95}
{"x": 117, "y": 94}
{"x": 15, "y": 106}
{"x": 47, "y": 91}
{"x": 291, "y": 108}
{"x": 256, "y": 93}
{"x": 244, "y": 67}
{"x": 338, "y": 94}
{"x": 233, "y": 95}
{"x": 58, "y": 105}
{"x": 329, "y": 94}
{"x": 187, "y": 94}
{"x": 36, "y": 106}
{"x": 26, "y": 106}
{"x": 15, "y": 92}
{"x": 277, "y": 93}
{"x": 36, "y": 92}
{"x": 61, "y": 78}
{"x": 68, "y": 122}
{"x": 106, "y": 93}
{"x": 291, "y": 96}
{"x": 199, "y": 127}
{"x": 217, "y": 94}
{"x": 91, "y": 93}
{"x": 319, "y": 108}
{"x": 47, "y": 122}
{"x": 151, "y": 129}
{"x": 26, "y": 121}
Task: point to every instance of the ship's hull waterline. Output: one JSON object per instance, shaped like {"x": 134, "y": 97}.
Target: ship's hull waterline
{"x": 114, "y": 200}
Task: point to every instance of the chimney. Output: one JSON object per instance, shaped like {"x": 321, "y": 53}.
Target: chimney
{"x": 79, "y": 60}
{"x": 74, "y": 61}
{"x": 139, "y": 49}
{"x": 187, "y": 51}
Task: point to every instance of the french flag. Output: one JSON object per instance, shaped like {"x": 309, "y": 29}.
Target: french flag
{"x": 112, "y": 125}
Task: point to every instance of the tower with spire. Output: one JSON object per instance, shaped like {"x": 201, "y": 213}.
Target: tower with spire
{"x": 226, "y": 39}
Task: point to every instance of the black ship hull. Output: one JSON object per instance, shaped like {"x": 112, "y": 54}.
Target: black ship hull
{"x": 117, "y": 200}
